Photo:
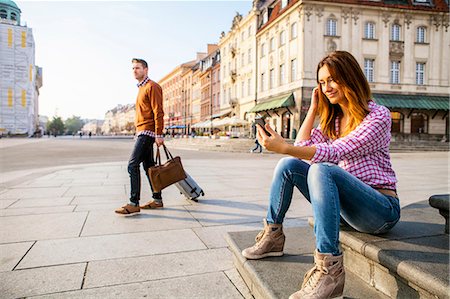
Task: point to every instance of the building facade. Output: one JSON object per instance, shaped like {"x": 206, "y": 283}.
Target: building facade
{"x": 401, "y": 48}
{"x": 119, "y": 121}
{"x": 20, "y": 78}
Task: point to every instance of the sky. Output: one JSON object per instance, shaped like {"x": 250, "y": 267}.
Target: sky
{"x": 85, "y": 47}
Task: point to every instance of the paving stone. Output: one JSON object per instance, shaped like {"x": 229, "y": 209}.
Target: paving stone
{"x": 36, "y": 210}
{"x": 84, "y": 249}
{"x": 10, "y": 254}
{"x": 108, "y": 222}
{"x": 211, "y": 285}
{"x": 35, "y": 193}
{"x": 96, "y": 190}
{"x": 4, "y": 203}
{"x": 42, "y": 202}
{"x": 30, "y": 282}
{"x": 41, "y": 227}
{"x": 157, "y": 267}
{"x": 238, "y": 282}
{"x": 212, "y": 212}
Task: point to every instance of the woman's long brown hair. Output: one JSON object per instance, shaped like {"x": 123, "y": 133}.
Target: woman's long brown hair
{"x": 345, "y": 71}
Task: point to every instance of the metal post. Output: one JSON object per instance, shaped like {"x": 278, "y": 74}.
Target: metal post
{"x": 211, "y": 102}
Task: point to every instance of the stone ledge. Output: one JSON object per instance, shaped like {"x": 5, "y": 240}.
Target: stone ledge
{"x": 415, "y": 252}
{"x": 278, "y": 277}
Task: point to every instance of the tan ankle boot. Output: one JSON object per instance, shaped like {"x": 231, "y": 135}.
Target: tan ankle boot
{"x": 325, "y": 280}
{"x": 269, "y": 242}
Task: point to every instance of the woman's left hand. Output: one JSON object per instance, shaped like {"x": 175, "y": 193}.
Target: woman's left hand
{"x": 274, "y": 143}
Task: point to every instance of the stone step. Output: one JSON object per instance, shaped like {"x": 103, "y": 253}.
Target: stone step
{"x": 278, "y": 277}
{"x": 410, "y": 261}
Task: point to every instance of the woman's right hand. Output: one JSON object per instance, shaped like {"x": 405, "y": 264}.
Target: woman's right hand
{"x": 314, "y": 99}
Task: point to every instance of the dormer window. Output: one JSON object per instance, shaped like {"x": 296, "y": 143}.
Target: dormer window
{"x": 284, "y": 3}
{"x": 13, "y": 16}
{"x": 265, "y": 17}
{"x": 3, "y": 14}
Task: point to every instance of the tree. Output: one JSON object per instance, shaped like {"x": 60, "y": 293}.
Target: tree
{"x": 55, "y": 126}
{"x": 73, "y": 125}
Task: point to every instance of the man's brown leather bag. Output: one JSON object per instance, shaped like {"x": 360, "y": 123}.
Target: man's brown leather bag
{"x": 164, "y": 175}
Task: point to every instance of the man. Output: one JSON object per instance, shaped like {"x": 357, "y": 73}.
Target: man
{"x": 149, "y": 126}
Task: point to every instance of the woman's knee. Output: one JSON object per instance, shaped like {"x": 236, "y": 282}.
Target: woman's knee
{"x": 318, "y": 170}
{"x": 285, "y": 165}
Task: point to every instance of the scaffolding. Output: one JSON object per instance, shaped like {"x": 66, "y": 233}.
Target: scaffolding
{"x": 18, "y": 94}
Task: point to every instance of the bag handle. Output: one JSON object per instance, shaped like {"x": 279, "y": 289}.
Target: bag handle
{"x": 158, "y": 154}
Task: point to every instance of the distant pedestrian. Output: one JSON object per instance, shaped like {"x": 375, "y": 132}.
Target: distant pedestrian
{"x": 257, "y": 147}
{"x": 149, "y": 122}
{"x": 350, "y": 178}
{"x": 90, "y": 134}
{"x": 81, "y": 134}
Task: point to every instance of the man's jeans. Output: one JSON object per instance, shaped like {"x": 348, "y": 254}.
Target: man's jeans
{"x": 142, "y": 153}
{"x": 333, "y": 193}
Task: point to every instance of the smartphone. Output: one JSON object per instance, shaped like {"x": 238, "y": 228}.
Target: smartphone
{"x": 260, "y": 121}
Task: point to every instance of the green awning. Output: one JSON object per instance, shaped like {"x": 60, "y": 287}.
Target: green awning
{"x": 279, "y": 102}
{"x": 412, "y": 101}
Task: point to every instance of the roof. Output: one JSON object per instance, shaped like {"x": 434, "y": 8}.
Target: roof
{"x": 425, "y": 102}
{"x": 9, "y": 3}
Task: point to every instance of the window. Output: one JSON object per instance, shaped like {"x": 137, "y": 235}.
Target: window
{"x": 249, "y": 88}
{"x": 397, "y": 122}
{"x": 282, "y": 38}
{"x": 272, "y": 78}
{"x": 263, "y": 49}
{"x": 293, "y": 30}
{"x": 13, "y": 16}
{"x": 272, "y": 44}
{"x": 242, "y": 88}
{"x": 242, "y": 37}
{"x": 263, "y": 79}
{"x": 293, "y": 70}
{"x": 265, "y": 16}
{"x": 331, "y": 27}
{"x": 282, "y": 71}
{"x": 284, "y": 3}
{"x": 249, "y": 32}
{"x": 420, "y": 73}
{"x": 3, "y": 14}
{"x": 395, "y": 32}
{"x": 421, "y": 34}
{"x": 369, "y": 30}
{"x": 395, "y": 72}
{"x": 242, "y": 59}
{"x": 249, "y": 55}
{"x": 369, "y": 69}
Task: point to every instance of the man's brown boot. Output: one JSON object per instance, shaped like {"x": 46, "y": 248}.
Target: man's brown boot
{"x": 325, "y": 280}
{"x": 269, "y": 242}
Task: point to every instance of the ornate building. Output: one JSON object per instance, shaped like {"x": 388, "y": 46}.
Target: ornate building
{"x": 20, "y": 78}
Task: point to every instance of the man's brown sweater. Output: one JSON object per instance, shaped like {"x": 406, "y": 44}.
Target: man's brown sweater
{"x": 149, "y": 108}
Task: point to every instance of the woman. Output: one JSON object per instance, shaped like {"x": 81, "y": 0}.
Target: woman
{"x": 350, "y": 177}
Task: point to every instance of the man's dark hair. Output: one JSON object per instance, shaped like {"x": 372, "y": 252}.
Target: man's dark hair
{"x": 141, "y": 61}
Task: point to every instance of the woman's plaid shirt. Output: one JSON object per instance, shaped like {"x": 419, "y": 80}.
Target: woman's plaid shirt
{"x": 364, "y": 152}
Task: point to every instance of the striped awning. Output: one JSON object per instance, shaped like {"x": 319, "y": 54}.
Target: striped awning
{"x": 426, "y": 102}
{"x": 276, "y": 103}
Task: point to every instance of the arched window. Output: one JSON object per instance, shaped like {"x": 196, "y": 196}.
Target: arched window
{"x": 13, "y": 16}
{"x": 3, "y": 14}
{"x": 397, "y": 122}
{"x": 419, "y": 123}
{"x": 369, "y": 30}
{"x": 421, "y": 34}
{"x": 332, "y": 27}
{"x": 395, "y": 32}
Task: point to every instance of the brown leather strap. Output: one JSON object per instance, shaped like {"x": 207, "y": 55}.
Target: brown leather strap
{"x": 388, "y": 192}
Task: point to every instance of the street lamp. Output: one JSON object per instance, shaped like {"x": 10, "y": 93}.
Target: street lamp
{"x": 211, "y": 102}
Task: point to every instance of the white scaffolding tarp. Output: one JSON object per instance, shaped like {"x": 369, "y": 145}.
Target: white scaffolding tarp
{"x": 18, "y": 100}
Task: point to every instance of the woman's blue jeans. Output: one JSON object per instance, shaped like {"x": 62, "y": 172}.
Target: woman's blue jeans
{"x": 333, "y": 193}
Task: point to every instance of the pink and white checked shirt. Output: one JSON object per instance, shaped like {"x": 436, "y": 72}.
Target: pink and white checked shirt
{"x": 364, "y": 152}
